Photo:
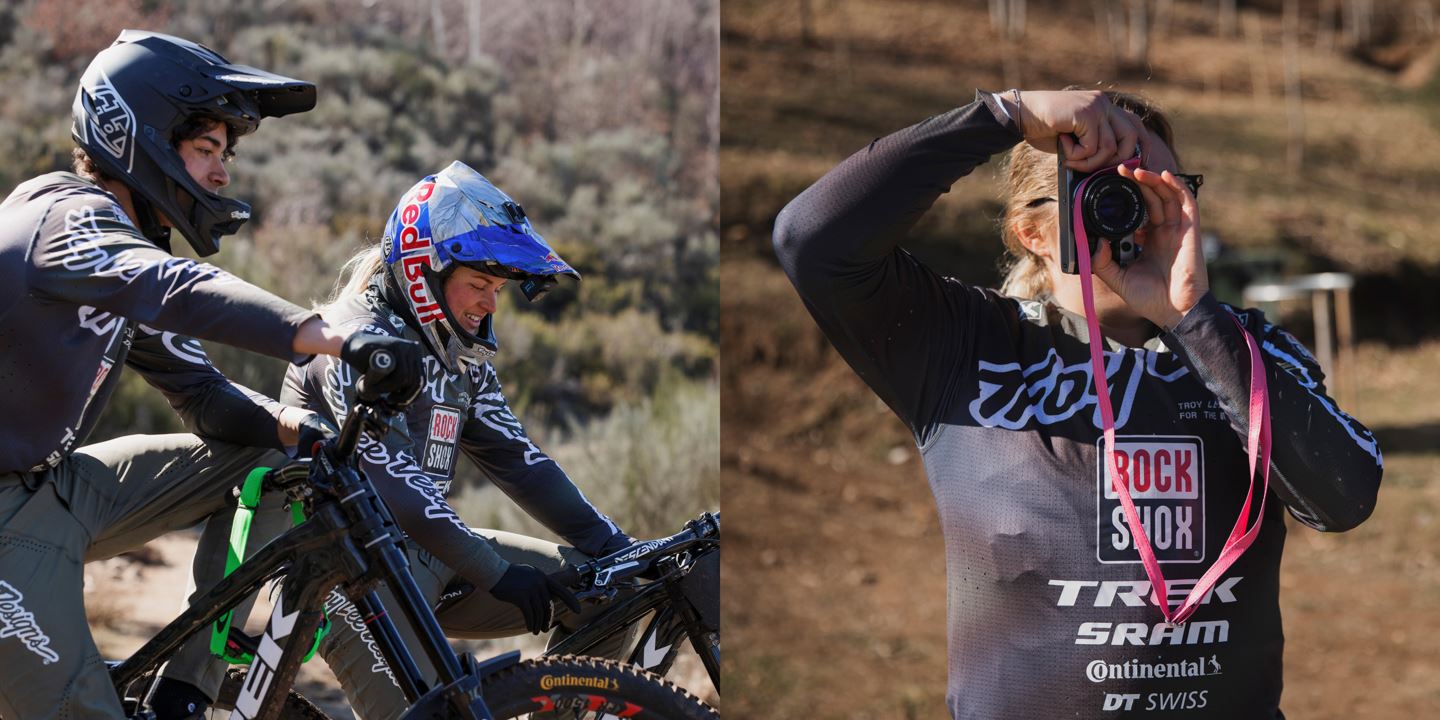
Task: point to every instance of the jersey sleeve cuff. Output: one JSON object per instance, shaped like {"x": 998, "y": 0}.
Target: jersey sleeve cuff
{"x": 1209, "y": 342}
{"x": 997, "y": 109}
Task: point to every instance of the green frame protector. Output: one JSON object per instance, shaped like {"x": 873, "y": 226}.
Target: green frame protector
{"x": 239, "y": 535}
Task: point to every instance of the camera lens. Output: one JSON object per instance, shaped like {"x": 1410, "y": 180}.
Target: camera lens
{"x": 1112, "y": 207}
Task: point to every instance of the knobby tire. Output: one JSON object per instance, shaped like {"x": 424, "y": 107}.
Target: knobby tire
{"x": 567, "y": 687}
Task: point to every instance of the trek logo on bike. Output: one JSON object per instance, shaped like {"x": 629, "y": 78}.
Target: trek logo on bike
{"x": 1166, "y": 479}
{"x": 267, "y": 660}
{"x": 444, "y": 433}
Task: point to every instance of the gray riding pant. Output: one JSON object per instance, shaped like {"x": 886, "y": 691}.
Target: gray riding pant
{"x": 100, "y": 501}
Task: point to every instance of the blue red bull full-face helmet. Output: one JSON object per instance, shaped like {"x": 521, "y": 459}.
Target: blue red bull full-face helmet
{"x": 457, "y": 217}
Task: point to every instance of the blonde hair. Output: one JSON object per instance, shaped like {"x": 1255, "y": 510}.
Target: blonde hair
{"x": 355, "y": 276}
{"x": 1030, "y": 178}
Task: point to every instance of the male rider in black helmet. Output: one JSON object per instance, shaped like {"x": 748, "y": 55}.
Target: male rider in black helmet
{"x": 87, "y": 283}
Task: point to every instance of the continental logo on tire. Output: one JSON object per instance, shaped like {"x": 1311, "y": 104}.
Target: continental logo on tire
{"x": 550, "y": 682}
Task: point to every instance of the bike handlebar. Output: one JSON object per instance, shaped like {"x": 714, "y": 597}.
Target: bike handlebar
{"x": 631, "y": 561}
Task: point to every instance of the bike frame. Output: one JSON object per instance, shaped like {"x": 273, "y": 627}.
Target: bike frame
{"x": 349, "y": 539}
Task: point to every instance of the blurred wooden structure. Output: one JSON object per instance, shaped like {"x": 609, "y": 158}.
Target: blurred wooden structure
{"x": 1328, "y": 295}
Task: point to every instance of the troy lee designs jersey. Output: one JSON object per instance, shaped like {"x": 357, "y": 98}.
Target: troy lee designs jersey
{"x": 81, "y": 292}
{"x": 413, "y": 465}
{"x": 1049, "y": 609}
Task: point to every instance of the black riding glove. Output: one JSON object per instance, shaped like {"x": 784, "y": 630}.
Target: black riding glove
{"x": 391, "y": 366}
{"x": 525, "y": 587}
{"x": 314, "y": 430}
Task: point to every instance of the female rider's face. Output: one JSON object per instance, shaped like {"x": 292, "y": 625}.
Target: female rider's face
{"x": 471, "y": 295}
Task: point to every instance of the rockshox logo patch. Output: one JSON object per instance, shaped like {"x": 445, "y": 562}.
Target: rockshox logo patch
{"x": 440, "y": 441}
{"x": 1166, "y": 479}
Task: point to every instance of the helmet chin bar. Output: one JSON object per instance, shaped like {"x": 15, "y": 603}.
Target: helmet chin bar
{"x": 149, "y": 222}
{"x": 204, "y": 216}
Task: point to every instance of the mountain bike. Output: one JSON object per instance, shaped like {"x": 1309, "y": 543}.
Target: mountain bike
{"x": 683, "y": 593}
{"x": 349, "y": 539}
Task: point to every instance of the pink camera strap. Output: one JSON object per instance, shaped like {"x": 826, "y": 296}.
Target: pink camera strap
{"x": 1258, "y": 450}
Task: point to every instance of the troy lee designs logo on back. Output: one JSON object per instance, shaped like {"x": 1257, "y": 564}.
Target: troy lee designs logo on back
{"x": 416, "y": 254}
{"x": 1166, "y": 479}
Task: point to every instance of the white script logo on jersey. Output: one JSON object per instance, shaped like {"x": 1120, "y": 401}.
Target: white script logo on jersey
{"x": 1050, "y": 392}
{"x": 17, "y": 622}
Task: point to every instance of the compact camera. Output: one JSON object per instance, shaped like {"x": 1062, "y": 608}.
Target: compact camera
{"x": 1108, "y": 207}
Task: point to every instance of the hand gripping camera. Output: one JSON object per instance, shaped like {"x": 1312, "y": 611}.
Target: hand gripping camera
{"x": 1102, "y": 205}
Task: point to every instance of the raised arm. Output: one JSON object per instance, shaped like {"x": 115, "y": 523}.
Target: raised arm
{"x": 1325, "y": 465}
{"x": 882, "y": 308}
{"x": 88, "y": 255}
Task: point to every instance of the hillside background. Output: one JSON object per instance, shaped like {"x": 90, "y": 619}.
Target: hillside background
{"x": 600, "y": 117}
{"x": 1317, "y": 127}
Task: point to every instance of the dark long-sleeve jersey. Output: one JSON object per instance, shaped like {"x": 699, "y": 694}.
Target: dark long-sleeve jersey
{"x": 413, "y": 465}
{"x": 82, "y": 293}
{"x": 1049, "y": 610}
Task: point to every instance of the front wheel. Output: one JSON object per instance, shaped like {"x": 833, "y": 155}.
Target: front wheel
{"x": 565, "y": 687}
{"x": 570, "y": 686}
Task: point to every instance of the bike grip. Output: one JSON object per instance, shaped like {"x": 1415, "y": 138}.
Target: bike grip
{"x": 569, "y": 576}
{"x": 363, "y": 394}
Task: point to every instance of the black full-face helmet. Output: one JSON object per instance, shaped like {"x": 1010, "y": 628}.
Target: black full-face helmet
{"x": 134, "y": 95}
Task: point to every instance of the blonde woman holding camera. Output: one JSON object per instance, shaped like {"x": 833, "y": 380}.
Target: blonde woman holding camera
{"x": 1066, "y": 509}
